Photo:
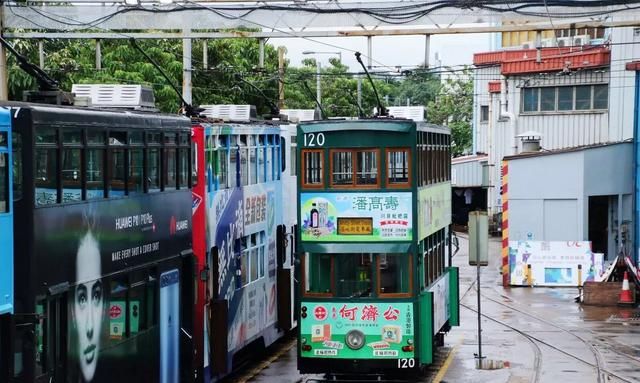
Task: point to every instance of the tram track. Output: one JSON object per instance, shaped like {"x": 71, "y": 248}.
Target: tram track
{"x": 598, "y": 356}
{"x": 597, "y": 365}
{"x": 594, "y": 351}
{"x": 537, "y": 362}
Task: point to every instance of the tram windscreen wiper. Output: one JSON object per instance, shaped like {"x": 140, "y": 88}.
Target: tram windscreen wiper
{"x": 45, "y": 82}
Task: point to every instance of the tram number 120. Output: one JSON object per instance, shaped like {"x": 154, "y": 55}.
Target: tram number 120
{"x": 406, "y": 363}
{"x": 311, "y": 139}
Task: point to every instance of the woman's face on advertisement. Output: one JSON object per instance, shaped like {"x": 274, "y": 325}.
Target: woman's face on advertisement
{"x": 88, "y": 305}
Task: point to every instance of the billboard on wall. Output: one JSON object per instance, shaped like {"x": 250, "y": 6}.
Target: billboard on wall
{"x": 553, "y": 263}
{"x": 356, "y": 217}
{"x": 434, "y": 209}
{"x": 385, "y": 327}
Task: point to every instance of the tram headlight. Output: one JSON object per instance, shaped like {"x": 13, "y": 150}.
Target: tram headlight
{"x": 354, "y": 339}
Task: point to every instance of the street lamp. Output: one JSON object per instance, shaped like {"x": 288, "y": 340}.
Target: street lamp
{"x": 318, "y": 67}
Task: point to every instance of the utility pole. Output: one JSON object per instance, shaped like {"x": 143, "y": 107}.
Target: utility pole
{"x": 41, "y": 53}
{"x": 205, "y": 54}
{"x": 281, "y": 52}
{"x": 186, "y": 69}
{"x": 261, "y": 54}
{"x": 98, "y": 55}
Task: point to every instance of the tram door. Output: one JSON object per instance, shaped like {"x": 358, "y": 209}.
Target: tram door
{"x": 169, "y": 326}
{"x": 51, "y": 340}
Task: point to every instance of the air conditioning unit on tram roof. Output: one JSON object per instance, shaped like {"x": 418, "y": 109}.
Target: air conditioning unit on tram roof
{"x": 139, "y": 97}
{"x": 415, "y": 113}
{"x": 298, "y": 115}
{"x": 228, "y": 112}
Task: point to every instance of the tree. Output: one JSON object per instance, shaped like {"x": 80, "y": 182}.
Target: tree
{"x": 453, "y": 107}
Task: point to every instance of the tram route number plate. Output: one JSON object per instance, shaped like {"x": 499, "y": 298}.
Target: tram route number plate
{"x": 355, "y": 226}
{"x": 406, "y": 363}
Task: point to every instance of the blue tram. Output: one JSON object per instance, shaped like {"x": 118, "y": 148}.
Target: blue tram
{"x": 6, "y": 241}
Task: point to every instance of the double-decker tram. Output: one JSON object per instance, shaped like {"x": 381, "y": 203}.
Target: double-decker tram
{"x": 241, "y": 239}
{"x": 104, "y": 270}
{"x": 6, "y": 242}
{"x": 378, "y": 291}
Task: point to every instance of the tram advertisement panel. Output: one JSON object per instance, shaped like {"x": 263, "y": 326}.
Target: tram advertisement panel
{"x": 367, "y": 330}
{"x": 434, "y": 209}
{"x": 111, "y": 322}
{"x": 242, "y": 226}
{"x": 126, "y": 232}
{"x": 350, "y": 217}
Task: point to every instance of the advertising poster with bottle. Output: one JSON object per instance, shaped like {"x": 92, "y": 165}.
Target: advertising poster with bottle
{"x": 356, "y": 217}
{"x": 358, "y": 330}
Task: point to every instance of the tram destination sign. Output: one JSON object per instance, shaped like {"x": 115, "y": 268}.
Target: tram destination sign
{"x": 355, "y": 226}
{"x": 356, "y": 217}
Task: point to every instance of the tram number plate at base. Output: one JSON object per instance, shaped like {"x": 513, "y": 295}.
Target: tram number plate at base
{"x": 406, "y": 363}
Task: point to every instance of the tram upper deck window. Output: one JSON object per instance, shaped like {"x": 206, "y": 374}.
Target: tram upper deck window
{"x": 367, "y": 167}
{"x": 318, "y": 274}
{"x": 353, "y": 275}
{"x": 312, "y": 168}
{"x": 46, "y": 166}
{"x": 398, "y": 168}
{"x": 117, "y": 141}
{"x": 71, "y": 175}
{"x": 341, "y": 168}
{"x": 16, "y": 138}
{"x": 221, "y": 168}
{"x": 394, "y": 275}
{"x": 253, "y": 169}
{"x": 136, "y": 164}
{"x": 45, "y": 170}
{"x": 269, "y": 147}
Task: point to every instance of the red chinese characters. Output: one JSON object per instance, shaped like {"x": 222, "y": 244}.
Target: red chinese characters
{"x": 369, "y": 313}
{"x": 348, "y": 313}
{"x": 391, "y": 313}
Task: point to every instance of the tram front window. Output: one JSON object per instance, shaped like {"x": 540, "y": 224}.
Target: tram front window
{"x": 394, "y": 273}
{"x": 353, "y": 275}
{"x": 317, "y": 274}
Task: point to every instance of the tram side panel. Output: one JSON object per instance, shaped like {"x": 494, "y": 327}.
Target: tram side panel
{"x": 242, "y": 234}
{"x": 101, "y": 281}
{"x": 6, "y": 242}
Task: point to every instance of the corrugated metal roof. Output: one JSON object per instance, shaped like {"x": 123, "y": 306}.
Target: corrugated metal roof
{"x": 561, "y": 151}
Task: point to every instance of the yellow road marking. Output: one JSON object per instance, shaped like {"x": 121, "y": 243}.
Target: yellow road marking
{"x": 447, "y": 363}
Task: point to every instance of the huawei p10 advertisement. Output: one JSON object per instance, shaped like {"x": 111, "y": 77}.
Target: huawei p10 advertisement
{"x": 120, "y": 260}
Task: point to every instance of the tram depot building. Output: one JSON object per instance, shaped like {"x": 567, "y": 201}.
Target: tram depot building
{"x": 553, "y": 156}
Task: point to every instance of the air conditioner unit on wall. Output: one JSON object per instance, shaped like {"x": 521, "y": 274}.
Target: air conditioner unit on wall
{"x": 565, "y": 41}
{"x": 580, "y": 40}
{"x": 528, "y": 45}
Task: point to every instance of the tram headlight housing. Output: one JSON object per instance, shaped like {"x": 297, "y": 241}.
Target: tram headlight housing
{"x": 409, "y": 341}
{"x": 354, "y": 339}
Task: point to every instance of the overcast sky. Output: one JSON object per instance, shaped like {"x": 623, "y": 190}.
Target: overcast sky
{"x": 390, "y": 51}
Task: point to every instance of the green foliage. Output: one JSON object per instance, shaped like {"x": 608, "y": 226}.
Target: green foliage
{"x": 229, "y": 62}
{"x": 453, "y": 107}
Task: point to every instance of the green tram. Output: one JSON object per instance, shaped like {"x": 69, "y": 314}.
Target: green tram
{"x": 377, "y": 289}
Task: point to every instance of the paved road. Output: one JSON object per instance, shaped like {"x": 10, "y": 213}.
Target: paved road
{"x": 542, "y": 334}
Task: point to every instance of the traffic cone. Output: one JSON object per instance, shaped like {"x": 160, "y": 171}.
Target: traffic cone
{"x": 625, "y": 294}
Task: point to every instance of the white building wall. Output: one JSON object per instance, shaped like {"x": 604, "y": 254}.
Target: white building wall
{"x": 481, "y": 79}
{"x": 625, "y": 48}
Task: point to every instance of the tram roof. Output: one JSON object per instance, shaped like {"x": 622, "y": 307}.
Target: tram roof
{"x": 255, "y": 127}
{"x": 44, "y": 114}
{"x": 399, "y": 125}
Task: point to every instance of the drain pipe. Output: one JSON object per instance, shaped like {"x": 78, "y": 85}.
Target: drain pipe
{"x": 504, "y": 113}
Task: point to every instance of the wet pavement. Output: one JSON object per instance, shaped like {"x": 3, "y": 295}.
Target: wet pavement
{"x": 541, "y": 334}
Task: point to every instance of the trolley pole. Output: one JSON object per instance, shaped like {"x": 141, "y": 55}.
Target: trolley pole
{"x": 479, "y": 256}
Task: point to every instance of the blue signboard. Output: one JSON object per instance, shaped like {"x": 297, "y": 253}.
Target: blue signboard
{"x": 6, "y": 214}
